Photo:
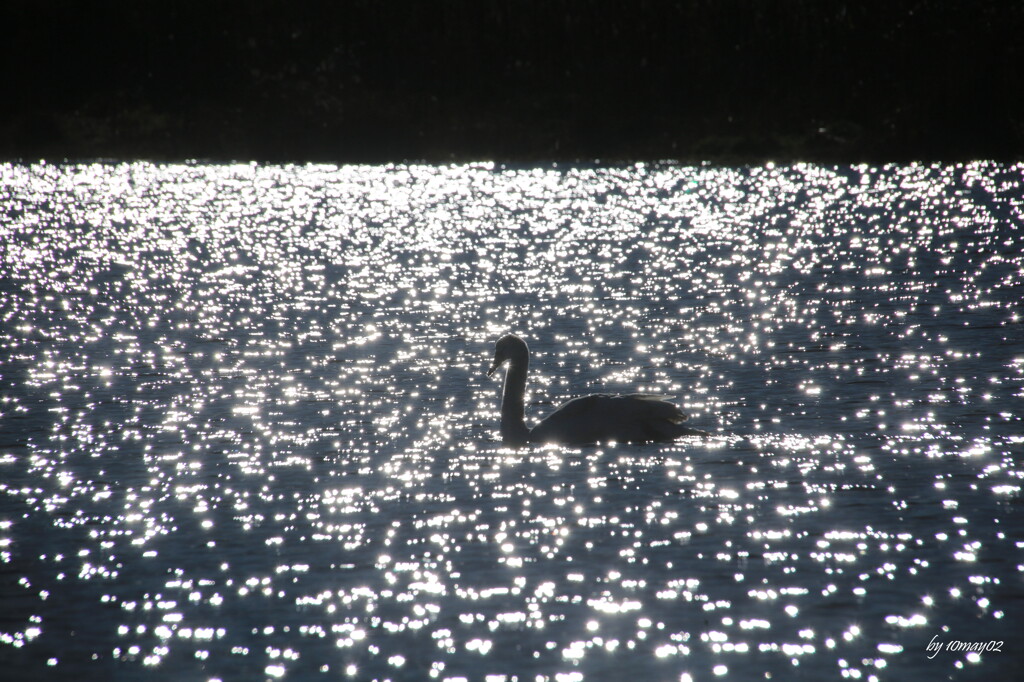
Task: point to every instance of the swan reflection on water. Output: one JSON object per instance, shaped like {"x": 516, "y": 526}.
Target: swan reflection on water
{"x": 597, "y": 418}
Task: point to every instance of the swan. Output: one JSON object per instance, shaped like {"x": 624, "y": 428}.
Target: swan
{"x": 634, "y": 418}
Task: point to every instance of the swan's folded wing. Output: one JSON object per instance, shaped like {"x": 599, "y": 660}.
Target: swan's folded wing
{"x": 657, "y": 407}
{"x": 637, "y": 418}
{"x": 575, "y": 422}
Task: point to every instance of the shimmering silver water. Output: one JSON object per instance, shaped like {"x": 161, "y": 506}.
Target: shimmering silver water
{"x": 245, "y": 431}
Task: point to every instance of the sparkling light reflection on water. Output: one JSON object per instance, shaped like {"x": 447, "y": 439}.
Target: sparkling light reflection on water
{"x": 245, "y": 432}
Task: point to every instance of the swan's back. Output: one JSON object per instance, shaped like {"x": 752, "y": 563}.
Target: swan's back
{"x": 600, "y": 418}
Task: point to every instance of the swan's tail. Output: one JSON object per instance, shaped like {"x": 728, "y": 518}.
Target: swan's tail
{"x": 664, "y": 420}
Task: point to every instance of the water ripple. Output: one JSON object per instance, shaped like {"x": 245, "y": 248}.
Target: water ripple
{"x": 245, "y": 432}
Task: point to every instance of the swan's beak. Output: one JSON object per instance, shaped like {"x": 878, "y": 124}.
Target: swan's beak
{"x": 494, "y": 366}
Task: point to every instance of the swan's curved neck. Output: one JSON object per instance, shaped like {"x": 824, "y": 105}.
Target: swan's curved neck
{"x": 513, "y": 411}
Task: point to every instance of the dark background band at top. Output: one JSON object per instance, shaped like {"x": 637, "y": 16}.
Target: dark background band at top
{"x": 730, "y": 81}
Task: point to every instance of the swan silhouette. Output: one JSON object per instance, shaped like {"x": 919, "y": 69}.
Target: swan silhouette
{"x": 598, "y": 418}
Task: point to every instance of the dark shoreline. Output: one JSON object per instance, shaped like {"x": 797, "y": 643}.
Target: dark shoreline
{"x": 729, "y": 82}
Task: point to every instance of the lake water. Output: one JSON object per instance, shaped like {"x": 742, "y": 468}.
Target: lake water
{"x": 245, "y": 431}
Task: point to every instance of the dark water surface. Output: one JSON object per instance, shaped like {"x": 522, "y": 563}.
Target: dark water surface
{"x": 245, "y": 431}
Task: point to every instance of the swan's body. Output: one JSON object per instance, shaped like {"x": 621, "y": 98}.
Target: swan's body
{"x": 599, "y": 418}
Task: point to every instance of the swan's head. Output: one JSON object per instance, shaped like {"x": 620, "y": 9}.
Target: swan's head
{"x": 508, "y": 348}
